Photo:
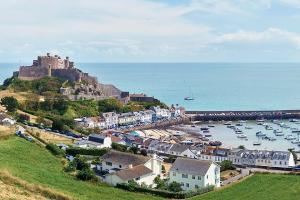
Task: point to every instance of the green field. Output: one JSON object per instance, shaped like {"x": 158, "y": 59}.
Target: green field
{"x": 36, "y": 165}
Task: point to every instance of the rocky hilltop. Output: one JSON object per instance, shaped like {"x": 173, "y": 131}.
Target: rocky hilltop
{"x": 86, "y": 86}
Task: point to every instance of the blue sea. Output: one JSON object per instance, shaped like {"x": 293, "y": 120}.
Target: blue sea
{"x": 214, "y": 86}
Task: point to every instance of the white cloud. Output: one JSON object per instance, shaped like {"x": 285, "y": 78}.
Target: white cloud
{"x": 274, "y": 35}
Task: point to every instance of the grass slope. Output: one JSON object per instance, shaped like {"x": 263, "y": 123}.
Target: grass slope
{"x": 34, "y": 164}
{"x": 259, "y": 187}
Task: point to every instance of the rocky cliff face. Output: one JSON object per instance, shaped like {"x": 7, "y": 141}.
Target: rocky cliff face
{"x": 110, "y": 90}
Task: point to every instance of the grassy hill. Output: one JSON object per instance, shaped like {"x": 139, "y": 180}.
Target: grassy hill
{"x": 32, "y": 163}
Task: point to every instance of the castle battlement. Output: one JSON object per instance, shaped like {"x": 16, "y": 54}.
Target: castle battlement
{"x": 54, "y": 66}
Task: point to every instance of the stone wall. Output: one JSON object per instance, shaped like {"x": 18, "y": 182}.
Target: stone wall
{"x": 32, "y": 73}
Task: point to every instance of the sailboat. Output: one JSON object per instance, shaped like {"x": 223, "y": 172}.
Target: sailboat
{"x": 190, "y": 97}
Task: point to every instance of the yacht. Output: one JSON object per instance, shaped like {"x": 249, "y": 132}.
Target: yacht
{"x": 296, "y": 130}
{"x": 211, "y": 126}
{"x": 228, "y": 123}
{"x": 189, "y": 98}
{"x": 242, "y": 136}
{"x": 248, "y": 127}
{"x": 294, "y": 120}
{"x": 260, "y": 134}
{"x": 268, "y": 127}
{"x": 257, "y": 143}
{"x": 260, "y": 120}
{"x": 238, "y": 132}
{"x": 243, "y": 121}
{"x": 296, "y": 142}
{"x": 290, "y": 137}
{"x": 272, "y": 139}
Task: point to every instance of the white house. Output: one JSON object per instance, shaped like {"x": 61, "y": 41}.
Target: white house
{"x": 95, "y": 141}
{"x": 146, "y": 116}
{"x": 111, "y": 119}
{"x": 8, "y": 121}
{"x": 126, "y": 118}
{"x": 94, "y": 122}
{"x": 194, "y": 174}
{"x": 161, "y": 112}
{"x": 123, "y": 167}
{"x": 214, "y": 154}
{"x": 181, "y": 150}
{"x": 262, "y": 158}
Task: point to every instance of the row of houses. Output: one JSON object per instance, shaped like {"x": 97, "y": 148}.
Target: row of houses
{"x": 191, "y": 174}
{"x": 239, "y": 157}
{"x": 110, "y": 120}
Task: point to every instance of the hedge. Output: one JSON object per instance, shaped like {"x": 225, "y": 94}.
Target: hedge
{"x": 165, "y": 193}
{"x": 73, "y": 151}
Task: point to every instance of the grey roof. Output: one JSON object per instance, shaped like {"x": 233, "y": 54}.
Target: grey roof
{"x": 179, "y": 148}
{"x": 132, "y": 173}
{"x": 263, "y": 154}
{"x": 191, "y": 166}
{"x": 125, "y": 158}
{"x": 97, "y": 138}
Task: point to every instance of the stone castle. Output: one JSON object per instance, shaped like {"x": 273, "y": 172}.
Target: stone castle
{"x": 54, "y": 66}
{"x": 86, "y": 86}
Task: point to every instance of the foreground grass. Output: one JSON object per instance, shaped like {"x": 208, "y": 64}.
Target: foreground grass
{"x": 259, "y": 187}
{"x": 34, "y": 164}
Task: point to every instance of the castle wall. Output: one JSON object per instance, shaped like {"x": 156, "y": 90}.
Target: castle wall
{"x": 54, "y": 61}
{"x": 69, "y": 74}
{"x": 32, "y": 73}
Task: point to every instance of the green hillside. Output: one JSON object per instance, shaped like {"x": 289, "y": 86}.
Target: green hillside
{"x": 34, "y": 164}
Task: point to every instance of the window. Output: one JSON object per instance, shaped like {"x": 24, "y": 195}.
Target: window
{"x": 184, "y": 176}
{"x": 120, "y": 166}
{"x": 138, "y": 178}
{"x": 187, "y": 185}
{"x": 196, "y": 186}
{"x": 182, "y": 184}
{"x": 108, "y": 163}
{"x": 174, "y": 174}
{"x": 207, "y": 176}
{"x": 193, "y": 177}
{"x": 199, "y": 177}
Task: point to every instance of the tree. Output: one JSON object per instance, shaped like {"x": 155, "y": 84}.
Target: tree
{"x": 160, "y": 184}
{"x": 227, "y": 165}
{"x": 58, "y": 124}
{"x": 133, "y": 150}
{"x": 241, "y": 147}
{"x": 23, "y": 117}
{"x": 85, "y": 174}
{"x": 81, "y": 163}
{"x": 109, "y": 105}
{"x": 174, "y": 187}
{"x": 11, "y": 103}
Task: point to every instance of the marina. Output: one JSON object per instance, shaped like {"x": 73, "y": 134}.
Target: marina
{"x": 283, "y": 135}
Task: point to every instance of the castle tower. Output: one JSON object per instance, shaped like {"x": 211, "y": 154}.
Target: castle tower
{"x": 49, "y": 71}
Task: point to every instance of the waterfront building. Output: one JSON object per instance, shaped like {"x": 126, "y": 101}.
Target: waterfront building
{"x": 111, "y": 119}
{"x": 194, "y": 174}
{"x": 262, "y": 158}
{"x": 181, "y": 150}
{"x": 126, "y": 119}
{"x": 214, "y": 154}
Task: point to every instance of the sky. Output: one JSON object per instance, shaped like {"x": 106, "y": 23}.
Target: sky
{"x": 151, "y": 30}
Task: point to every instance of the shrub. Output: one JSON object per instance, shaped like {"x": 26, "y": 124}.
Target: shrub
{"x": 86, "y": 174}
{"x": 119, "y": 147}
{"x": 227, "y": 165}
{"x": 164, "y": 193}
{"x": 55, "y": 150}
{"x": 174, "y": 187}
{"x": 11, "y": 103}
{"x": 80, "y": 163}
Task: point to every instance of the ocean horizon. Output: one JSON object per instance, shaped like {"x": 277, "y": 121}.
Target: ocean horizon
{"x": 214, "y": 86}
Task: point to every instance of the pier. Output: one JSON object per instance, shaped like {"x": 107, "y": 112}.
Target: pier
{"x": 242, "y": 115}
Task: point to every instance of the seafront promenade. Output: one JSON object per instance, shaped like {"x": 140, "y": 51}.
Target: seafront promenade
{"x": 242, "y": 115}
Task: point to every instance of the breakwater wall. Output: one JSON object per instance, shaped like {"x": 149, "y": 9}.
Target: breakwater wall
{"x": 242, "y": 115}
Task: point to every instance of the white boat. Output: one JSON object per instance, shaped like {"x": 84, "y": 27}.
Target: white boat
{"x": 296, "y": 142}
{"x": 260, "y": 120}
{"x": 211, "y": 126}
{"x": 260, "y": 134}
{"x": 228, "y": 123}
{"x": 242, "y": 136}
{"x": 290, "y": 137}
{"x": 257, "y": 143}
{"x": 238, "y": 132}
{"x": 294, "y": 120}
{"x": 272, "y": 139}
{"x": 296, "y": 130}
{"x": 277, "y": 131}
{"x": 268, "y": 127}
{"x": 248, "y": 127}
{"x": 243, "y": 121}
